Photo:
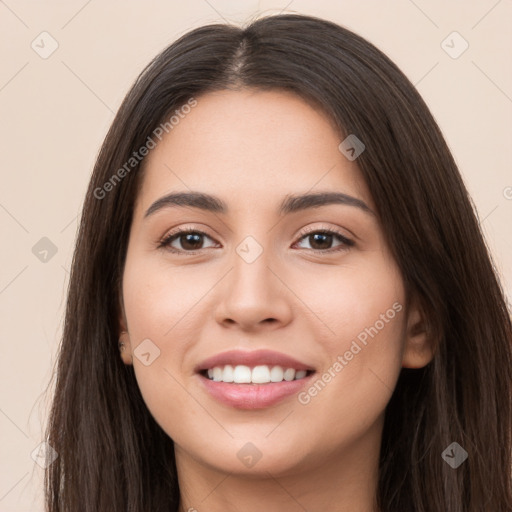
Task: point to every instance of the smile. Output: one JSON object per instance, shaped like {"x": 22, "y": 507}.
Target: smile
{"x": 252, "y": 379}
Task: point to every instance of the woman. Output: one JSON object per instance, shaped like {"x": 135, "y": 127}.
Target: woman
{"x": 280, "y": 296}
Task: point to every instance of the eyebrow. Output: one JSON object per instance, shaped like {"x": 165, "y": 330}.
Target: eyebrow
{"x": 291, "y": 204}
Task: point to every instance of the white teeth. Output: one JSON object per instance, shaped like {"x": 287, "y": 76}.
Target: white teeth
{"x": 228, "y": 374}
{"x": 242, "y": 374}
{"x": 276, "y": 374}
{"x": 262, "y": 374}
{"x": 217, "y": 374}
{"x": 289, "y": 374}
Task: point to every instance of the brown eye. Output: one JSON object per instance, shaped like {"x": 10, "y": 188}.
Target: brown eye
{"x": 189, "y": 240}
{"x": 321, "y": 240}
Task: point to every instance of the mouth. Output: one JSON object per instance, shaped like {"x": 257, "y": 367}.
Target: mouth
{"x": 253, "y": 380}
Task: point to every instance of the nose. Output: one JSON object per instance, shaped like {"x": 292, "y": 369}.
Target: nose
{"x": 254, "y": 295}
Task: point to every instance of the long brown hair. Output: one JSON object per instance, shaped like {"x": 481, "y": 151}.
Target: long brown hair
{"x": 112, "y": 455}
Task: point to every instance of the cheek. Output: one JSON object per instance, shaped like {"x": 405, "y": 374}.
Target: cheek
{"x": 360, "y": 301}
{"x": 361, "y": 335}
{"x": 161, "y": 300}
{"x": 364, "y": 311}
{"x": 159, "y": 308}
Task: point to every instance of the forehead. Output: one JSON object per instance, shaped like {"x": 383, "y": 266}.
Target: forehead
{"x": 248, "y": 146}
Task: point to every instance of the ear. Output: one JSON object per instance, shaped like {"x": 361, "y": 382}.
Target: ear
{"x": 124, "y": 337}
{"x": 419, "y": 347}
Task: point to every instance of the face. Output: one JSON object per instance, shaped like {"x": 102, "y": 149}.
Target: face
{"x": 264, "y": 284}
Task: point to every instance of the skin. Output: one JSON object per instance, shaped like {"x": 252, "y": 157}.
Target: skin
{"x": 251, "y": 149}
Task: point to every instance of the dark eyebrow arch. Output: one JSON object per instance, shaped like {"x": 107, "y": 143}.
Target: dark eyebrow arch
{"x": 290, "y": 204}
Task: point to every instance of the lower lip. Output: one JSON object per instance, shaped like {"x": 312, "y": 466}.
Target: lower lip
{"x": 253, "y": 396}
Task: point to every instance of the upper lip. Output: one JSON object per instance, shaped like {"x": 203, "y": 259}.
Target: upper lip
{"x": 252, "y": 358}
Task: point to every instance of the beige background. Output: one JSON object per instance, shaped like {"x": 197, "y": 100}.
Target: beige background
{"x": 55, "y": 112}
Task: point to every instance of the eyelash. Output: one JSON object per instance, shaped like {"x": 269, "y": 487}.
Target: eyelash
{"x": 346, "y": 242}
